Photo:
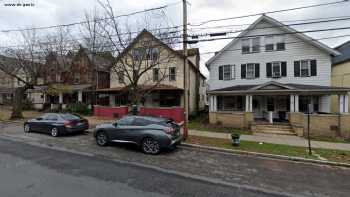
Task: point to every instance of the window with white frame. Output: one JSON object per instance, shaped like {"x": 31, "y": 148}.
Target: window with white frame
{"x": 256, "y": 45}
{"x": 155, "y": 74}
{"x": 138, "y": 54}
{"x": 276, "y": 69}
{"x": 245, "y": 45}
{"x": 77, "y": 78}
{"x": 172, "y": 73}
{"x": 226, "y": 72}
{"x": 153, "y": 54}
{"x": 269, "y": 43}
{"x": 230, "y": 103}
{"x": 250, "y": 71}
{"x": 304, "y": 68}
{"x": 280, "y": 43}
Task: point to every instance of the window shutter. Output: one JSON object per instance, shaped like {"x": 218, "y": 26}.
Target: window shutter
{"x": 221, "y": 73}
{"x": 296, "y": 69}
{"x": 243, "y": 71}
{"x": 257, "y": 70}
{"x": 268, "y": 70}
{"x": 313, "y": 67}
{"x": 284, "y": 69}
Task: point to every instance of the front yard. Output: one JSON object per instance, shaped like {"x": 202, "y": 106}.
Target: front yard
{"x": 201, "y": 123}
{"x": 330, "y": 155}
{"x": 5, "y": 113}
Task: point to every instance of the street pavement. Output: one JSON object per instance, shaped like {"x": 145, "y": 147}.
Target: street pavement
{"x": 33, "y": 158}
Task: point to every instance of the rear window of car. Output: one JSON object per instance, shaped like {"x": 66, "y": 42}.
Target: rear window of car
{"x": 70, "y": 117}
{"x": 126, "y": 120}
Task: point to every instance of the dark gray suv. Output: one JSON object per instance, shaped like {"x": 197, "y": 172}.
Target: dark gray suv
{"x": 151, "y": 134}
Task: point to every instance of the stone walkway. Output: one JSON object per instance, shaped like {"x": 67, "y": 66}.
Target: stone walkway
{"x": 275, "y": 139}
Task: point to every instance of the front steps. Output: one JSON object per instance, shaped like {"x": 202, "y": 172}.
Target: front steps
{"x": 278, "y": 129}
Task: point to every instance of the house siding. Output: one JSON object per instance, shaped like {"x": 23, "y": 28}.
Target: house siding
{"x": 296, "y": 49}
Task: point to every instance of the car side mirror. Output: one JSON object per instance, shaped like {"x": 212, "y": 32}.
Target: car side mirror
{"x": 39, "y": 118}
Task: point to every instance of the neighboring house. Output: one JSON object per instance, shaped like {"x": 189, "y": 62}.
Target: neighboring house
{"x": 165, "y": 92}
{"x": 8, "y": 83}
{"x": 269, "y": 74}
{"x": 73, "y": 78}
{"x": 340, "y": 71}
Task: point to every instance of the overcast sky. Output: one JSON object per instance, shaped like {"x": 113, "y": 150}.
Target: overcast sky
{"x": 52, "y": 12}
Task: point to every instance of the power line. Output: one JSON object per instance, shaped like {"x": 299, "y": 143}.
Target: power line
{"x": 276, "y": 34}
{"x": 286, "y": 21}
{"x": 75, "y": 40}
{"x": 262, "y": 46}
{"x": 87, "y": 21}
{"x": 269, "y": 27}
{"x": 270, "y": 12}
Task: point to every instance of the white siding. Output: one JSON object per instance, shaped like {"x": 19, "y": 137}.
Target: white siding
{"x": 295, "y": 50}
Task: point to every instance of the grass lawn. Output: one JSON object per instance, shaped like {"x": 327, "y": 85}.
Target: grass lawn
{"x": 331, "y": 155}
{"x": 5, "y": 113}
{"x": 329, "y": 139}
{"x": 201, "y": 123}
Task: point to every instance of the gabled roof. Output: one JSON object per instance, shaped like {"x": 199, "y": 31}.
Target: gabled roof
{"x": 179, "y": 53}
{"x": 282, "y": 26}
{"x": 345, "y": 53}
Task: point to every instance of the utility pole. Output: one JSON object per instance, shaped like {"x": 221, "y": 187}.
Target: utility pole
{"x": 186, "y": 70}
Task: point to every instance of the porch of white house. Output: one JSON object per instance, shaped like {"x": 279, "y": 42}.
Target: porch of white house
{"x": 279, "y": 108}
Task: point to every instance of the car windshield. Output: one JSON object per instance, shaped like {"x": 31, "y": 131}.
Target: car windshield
{"x": 70, "y": 117}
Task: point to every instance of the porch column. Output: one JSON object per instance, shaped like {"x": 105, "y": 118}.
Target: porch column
{"x": 80, "y": 96}
{"x": 215, "y": 107}
{"x": 112, "y": 100}
{"x": 296, "y": 103}
{"x": 292, "y": 103}
{"x": 60, "y": 98}
{"x": 248, "y": 103}
{"x": 343, "y": 101}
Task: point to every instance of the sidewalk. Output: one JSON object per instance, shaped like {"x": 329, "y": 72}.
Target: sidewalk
{"x": 275, "y": 139}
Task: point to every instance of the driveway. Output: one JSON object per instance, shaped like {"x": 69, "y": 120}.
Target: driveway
{"x": 259, "y": 174}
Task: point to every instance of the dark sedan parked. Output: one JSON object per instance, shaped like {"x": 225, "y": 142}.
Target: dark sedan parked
{"x": 149, "y": 133}
{"x": 57, "y": 124}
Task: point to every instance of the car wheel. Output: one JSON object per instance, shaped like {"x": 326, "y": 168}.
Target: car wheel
{"x": 27, "y": 128}
{"x": 101, "y": 138}
{"x": 150, "y": 146}
{"x": 54, "y": 132}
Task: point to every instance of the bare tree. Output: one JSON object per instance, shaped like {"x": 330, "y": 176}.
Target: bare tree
{"x": 142, "y": 59}
{"x": 24, "y": 65}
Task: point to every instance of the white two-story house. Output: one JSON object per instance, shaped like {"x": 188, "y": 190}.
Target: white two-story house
{"x": 268, "y": 72}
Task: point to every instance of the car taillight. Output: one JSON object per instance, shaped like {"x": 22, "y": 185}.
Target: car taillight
{"x": 169, "y": 130}
{"x": 68, "y": 124}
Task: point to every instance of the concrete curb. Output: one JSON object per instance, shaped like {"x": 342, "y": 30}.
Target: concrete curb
{"x": 281, "y": 157}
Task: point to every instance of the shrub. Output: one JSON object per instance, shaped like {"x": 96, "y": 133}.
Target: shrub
{"x": 79, "y": 108}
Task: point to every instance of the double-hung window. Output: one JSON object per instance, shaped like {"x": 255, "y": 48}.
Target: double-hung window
{"x": 280, "y": 43}
{"x": 246, "y": 46}
{"x": 269, "y": 43}
{"x": 226, "y": 72}
{"x": 172, "y": 73}
{"x": 276, "y": 69}
{"x": 305, "y": 68}
{"x": 256, "y": 45}
{"x": 250, "y": 71}
{"x": 155, "y": 74}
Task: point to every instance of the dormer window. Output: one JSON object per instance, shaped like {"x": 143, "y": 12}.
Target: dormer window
{"x": 246, "y": 46}
{"x": 256, "y": 45}
{"x": 251, "y": 45}
{"x": 273, "y": 43}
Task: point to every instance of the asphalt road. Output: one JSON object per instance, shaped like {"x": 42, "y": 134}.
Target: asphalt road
{"x": 184, "y": 172}
{"x": 27, "y": 170}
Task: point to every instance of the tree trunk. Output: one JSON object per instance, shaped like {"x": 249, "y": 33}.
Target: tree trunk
{"x": 17, "y": 103}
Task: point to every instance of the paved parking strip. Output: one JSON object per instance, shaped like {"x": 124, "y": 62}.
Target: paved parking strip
{"x": 267, "y": 174}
